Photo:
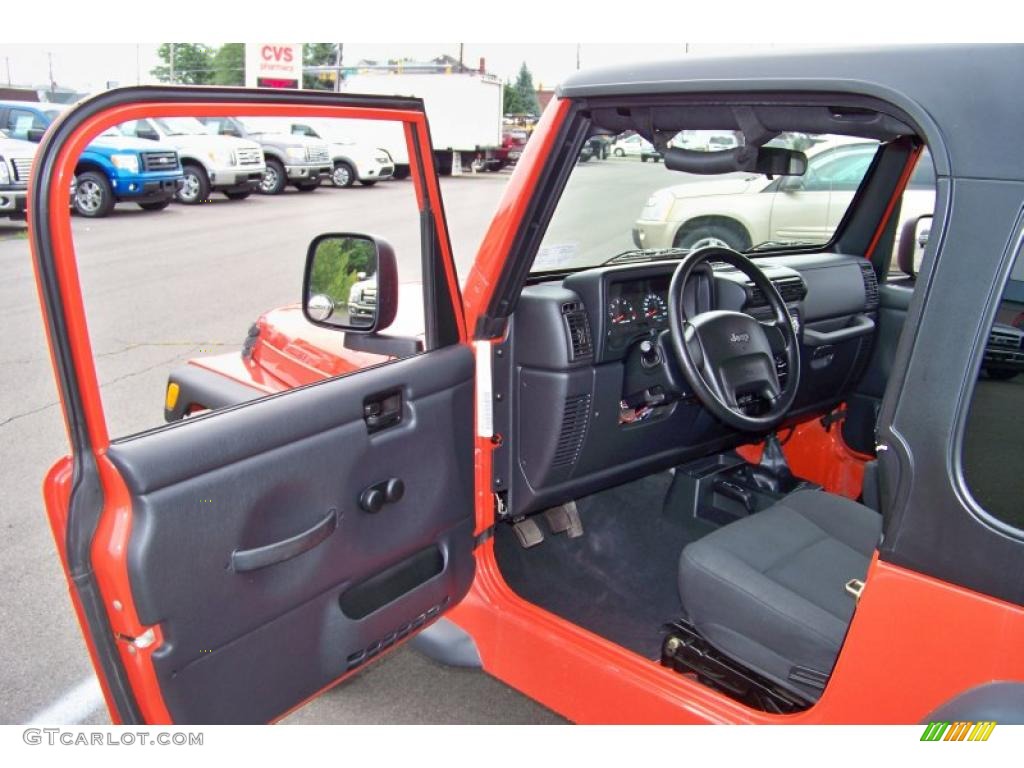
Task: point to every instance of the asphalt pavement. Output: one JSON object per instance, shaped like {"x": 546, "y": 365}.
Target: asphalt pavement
{"x": 160, "y": 288}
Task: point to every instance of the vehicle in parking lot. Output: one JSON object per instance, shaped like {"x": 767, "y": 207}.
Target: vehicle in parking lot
{"x": 633, "y": 145}
{"x": 685, "y": 486}
{"x": 351, "y": 159}
{"x": 745, "y": 210}
{"x": 513, "y": 141}
{"x": 209, "y": 163}
{"x": 15, "y": 171}
{"x": 292, "y": 159}
{"x": 112, "y": 169}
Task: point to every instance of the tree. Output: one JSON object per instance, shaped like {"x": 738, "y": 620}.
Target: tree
{"x": 229, "y": 65}
{"x": 319, "y": 55}
{"x": 521, "y": 98}
{"x": 524, "y": 97}
{"x": 193, "y": 64}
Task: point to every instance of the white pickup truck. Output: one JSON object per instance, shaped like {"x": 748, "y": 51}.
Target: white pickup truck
{"x": 210, "y": 163}
{"x": 15, "y": 171}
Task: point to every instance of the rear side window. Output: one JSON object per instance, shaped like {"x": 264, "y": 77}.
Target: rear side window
{"x": 993, "y": 451}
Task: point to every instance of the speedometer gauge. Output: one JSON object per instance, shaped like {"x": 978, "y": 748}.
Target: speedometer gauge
{"x": 621, "y": 312}
{"x": 654, "y": 308}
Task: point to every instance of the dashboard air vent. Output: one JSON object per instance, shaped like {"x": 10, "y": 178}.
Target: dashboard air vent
{"x": 574, "y": 429}
{"x": 870, "y": 286}
{"x": 792, "y": 290}
{"x": 577, "y": 324}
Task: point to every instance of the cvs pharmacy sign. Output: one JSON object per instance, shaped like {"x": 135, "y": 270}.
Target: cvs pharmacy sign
{"x": 273, "y": 65}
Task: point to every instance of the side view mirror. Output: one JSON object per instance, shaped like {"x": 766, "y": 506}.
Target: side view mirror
{"x": 35, "y": 135}
{"x": 351, "y": 283}
{"x": 910, "y": 247}
{"x": 147, "y": 133}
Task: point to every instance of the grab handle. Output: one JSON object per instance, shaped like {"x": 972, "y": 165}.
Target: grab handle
{"x": 272, "y": 554}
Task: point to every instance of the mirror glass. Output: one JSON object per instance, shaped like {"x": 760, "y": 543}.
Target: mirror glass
{"x": 921, "y": 232}
{"x": 342, "y": 290}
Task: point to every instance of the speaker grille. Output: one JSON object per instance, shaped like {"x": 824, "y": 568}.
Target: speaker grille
{"x": 574, "y": 429}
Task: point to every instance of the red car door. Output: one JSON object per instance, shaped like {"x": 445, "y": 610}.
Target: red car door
{"x": 222, "y": 568}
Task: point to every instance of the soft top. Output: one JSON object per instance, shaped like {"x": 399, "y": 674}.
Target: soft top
{"x": 961, "y": 99}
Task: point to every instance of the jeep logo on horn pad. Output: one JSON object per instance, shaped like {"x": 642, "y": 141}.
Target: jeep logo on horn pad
{"x": 739, "y": 338}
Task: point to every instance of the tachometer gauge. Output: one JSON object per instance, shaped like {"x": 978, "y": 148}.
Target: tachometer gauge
{"x": 654, "y": 308}
{"x": 621, "y": 312}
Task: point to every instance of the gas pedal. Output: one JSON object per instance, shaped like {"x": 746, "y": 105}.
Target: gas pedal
{"x": 528, "y": 532}
{"x": 565, "y": 519}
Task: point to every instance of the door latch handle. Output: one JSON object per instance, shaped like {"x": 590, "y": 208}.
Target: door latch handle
{"x": 382, "y": 411}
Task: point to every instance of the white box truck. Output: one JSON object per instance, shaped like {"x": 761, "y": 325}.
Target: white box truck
{"x": 464, "y": 110}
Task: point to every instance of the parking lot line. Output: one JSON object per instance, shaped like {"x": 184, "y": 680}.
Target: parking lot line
{"x": 74, "y": 706}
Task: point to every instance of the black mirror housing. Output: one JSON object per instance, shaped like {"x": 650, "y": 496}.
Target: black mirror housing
{"x": 778, "y": 161}
{"x": 334, "y": 295}
{"x": 35, "y": 135}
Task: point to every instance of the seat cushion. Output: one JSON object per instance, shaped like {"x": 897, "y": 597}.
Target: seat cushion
{"x": 769, "y": 590}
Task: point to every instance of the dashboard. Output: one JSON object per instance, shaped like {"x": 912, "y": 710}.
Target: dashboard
{"x": 584, "y": 412}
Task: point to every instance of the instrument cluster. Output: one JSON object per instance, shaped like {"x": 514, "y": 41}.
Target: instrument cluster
{"x": 636, "y": 307}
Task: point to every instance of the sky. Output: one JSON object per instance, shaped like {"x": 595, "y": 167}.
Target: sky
{"x": 89, "y": 67}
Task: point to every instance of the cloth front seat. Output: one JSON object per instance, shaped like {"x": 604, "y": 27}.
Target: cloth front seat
{"x": 769, "y": 590}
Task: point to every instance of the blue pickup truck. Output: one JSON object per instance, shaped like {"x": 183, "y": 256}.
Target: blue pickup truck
{"x": 113, "y": 168}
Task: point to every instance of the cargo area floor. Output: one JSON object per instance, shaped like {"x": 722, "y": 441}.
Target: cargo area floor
{"x": 619, "y": 579}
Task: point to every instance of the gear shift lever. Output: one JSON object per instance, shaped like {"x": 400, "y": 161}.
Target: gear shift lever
{"x": 772, "y": 474}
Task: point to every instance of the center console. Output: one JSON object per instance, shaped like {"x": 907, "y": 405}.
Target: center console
{"x": 723, "y": 488}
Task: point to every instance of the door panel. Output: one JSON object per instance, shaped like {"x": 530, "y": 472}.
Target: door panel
{"x": 246, "y": 646}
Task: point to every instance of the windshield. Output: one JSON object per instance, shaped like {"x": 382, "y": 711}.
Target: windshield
{"x": 621, "y": 201}
{"x": 181, "y": 126}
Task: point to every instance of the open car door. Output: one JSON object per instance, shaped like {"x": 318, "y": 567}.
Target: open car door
{"x": 223, "y": 568}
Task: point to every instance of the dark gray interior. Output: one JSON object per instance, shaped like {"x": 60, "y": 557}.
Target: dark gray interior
{"x": 580, "y": 446}
{"x": 245, "y": 646}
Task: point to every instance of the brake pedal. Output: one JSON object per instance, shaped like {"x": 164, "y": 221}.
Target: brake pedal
{"x": 565, "y": 519}
{"x": 528, "y": 532}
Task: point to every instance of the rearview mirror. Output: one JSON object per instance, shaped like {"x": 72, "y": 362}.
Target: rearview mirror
{"x": 779, "y": 161}
{"x": 35, "y": 135}
{"x": 351, "y": 283}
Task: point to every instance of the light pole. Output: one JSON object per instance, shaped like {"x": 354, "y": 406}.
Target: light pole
{"x": 172, "y": 62}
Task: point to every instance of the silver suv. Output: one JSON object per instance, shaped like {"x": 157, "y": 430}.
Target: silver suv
{"x": 300, "y": 160}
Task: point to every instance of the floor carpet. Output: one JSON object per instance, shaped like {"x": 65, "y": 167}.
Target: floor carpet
{"x": 619, "y": 579}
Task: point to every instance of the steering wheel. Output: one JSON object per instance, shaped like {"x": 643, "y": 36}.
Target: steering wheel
{"x": 725, "y": 355}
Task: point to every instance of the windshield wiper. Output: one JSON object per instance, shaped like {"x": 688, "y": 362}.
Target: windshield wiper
{"x": 636, "y": 255}
{"x": 768, "y": 245}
